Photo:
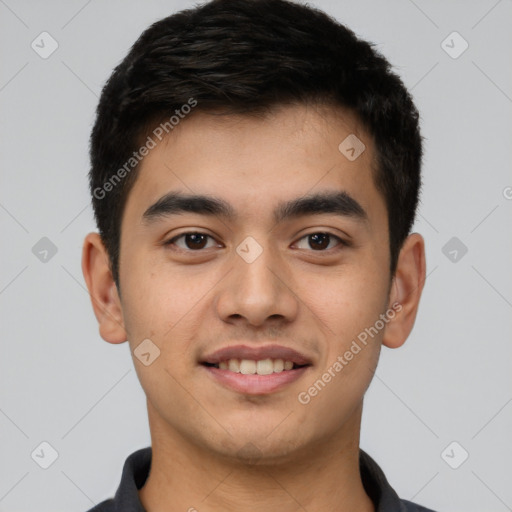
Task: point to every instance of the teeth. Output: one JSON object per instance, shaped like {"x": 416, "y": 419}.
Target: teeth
{"x": 247, "y": 367}
{"x": 234, "y": 365}
{"x": 265, "y": 367}
{"x": 279, "y": 365}
{"x": 250, "y": 367}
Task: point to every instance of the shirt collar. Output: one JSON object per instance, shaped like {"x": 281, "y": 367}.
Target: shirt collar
{"x": 137, "y": 465}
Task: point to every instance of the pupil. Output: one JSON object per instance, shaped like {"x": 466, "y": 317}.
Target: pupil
{"x": 316, "y": 237}
{"x": 195, "y": 237}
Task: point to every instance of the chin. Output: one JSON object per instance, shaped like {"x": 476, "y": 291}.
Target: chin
{"x": 265, "y": 448}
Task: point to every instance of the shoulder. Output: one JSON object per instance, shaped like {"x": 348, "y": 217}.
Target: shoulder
{"x": 409, "y": 506}
{"x": 104, "y": 506}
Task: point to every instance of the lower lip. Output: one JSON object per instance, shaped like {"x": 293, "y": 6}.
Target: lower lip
{"x": 255, "y": 384}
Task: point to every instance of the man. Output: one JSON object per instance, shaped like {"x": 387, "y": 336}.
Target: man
{"x": 255, "y": 175}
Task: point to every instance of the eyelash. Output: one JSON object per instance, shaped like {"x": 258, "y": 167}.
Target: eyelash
{"x": 341, "y": 242}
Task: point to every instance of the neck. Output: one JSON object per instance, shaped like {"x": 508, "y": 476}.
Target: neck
{"x": 185, "y": 477}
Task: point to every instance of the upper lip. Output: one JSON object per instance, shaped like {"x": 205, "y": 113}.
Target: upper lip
{"x": 257, "y": 354}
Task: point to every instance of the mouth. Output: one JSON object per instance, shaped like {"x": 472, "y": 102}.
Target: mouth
{"x": 253, "y": 367}
{"x": 256, "y": 371}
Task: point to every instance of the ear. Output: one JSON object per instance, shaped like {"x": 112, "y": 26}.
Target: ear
{"x": 406, "y": 289}
{"x": 102, "y": 289}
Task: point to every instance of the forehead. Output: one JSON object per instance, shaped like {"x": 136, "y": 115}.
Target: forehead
{"x": 255, "y": 162}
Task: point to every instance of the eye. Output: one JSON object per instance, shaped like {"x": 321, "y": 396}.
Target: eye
{"x": 192, "y": 241}
{"x": 321, "y": 241}
{"x": 195, "y": 241}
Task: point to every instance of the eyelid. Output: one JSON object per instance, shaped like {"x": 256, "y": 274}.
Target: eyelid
{"x": 171, "y": 241}
{"x": 341, "y": 241}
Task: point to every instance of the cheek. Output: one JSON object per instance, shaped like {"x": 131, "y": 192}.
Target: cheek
{"x": 353, "y": 343}
{"x": 152, "y": 301}
{"x": 332, "y": 395}
{"x": 348, "y": 300}
{"x": 348, "y": 306}
{"x": 166, "y": 307}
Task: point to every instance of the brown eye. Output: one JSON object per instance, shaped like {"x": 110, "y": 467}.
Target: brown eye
{"x": 320, "y": 241}
{"x": 191, "y": 241}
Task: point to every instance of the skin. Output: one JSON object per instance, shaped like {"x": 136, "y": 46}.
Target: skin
{"x": 213, "y": 448}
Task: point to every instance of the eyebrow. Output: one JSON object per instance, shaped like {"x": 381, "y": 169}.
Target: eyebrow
{"x": 175, "y": 203}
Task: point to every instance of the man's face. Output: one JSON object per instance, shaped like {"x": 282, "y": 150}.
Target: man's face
{"x": 252, "y": 281}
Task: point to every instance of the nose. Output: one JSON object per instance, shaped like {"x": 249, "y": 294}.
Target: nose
{"x": 257, "y": 291}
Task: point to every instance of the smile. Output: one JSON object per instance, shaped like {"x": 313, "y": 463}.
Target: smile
{"x": 261, "y": 367}
{"x": 255, "y": 370}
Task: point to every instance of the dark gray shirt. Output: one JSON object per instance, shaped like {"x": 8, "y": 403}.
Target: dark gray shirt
{"x": 136, "y": 471}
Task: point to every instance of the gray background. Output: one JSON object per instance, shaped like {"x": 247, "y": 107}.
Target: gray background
{"x": 452, "y": 380}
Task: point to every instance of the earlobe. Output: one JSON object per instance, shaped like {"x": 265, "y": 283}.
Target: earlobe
{"x": 102, "y": 290}
{"x": 406, "y": 290}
